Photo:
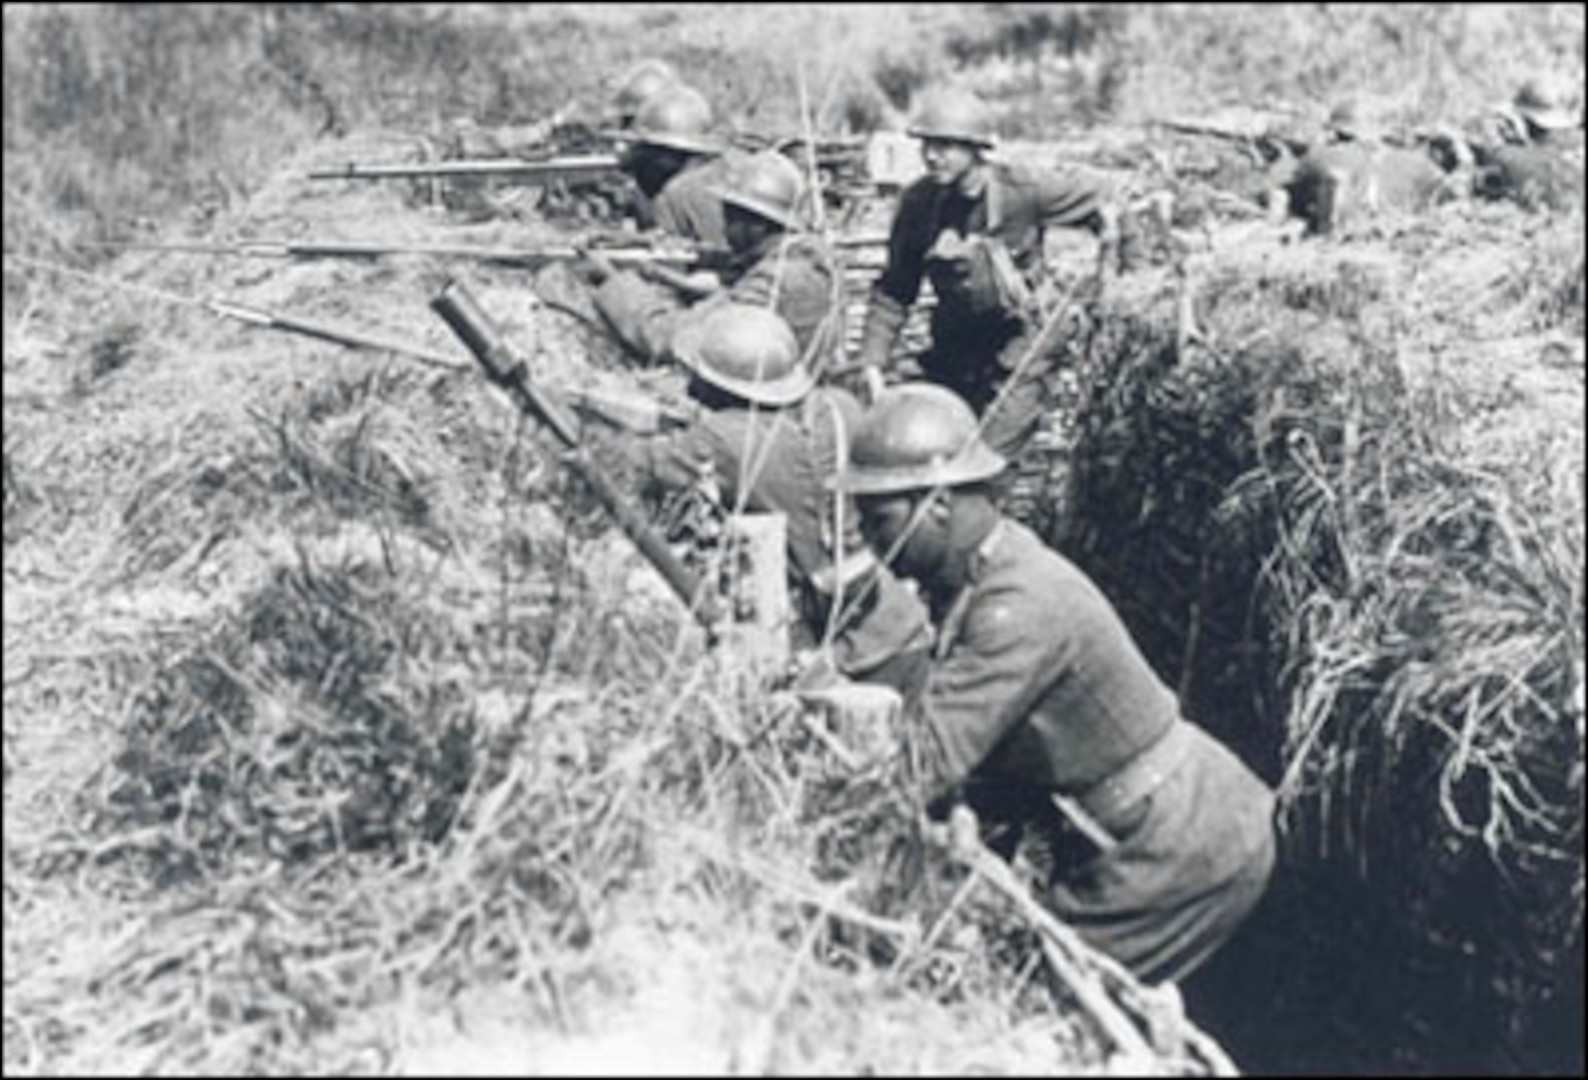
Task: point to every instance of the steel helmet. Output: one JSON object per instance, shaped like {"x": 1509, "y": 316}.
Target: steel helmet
{"x": 1541, "y": 106}
{"x": 917, "y": 435}
{"x": 679, "y": 117}
{"x": 1347, "y": 120}
{"x": 642, "y": 82}
{"x": 956, "y": 115}
{"x": 746, "y": 350}
{"x": 768, "y": 184}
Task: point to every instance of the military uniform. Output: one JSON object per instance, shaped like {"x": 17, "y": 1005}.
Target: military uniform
{"x": 881, "y": 638}
{"x": 1037, "y": 691}
{"x": 793, "y": 273}
{"x": 988, "y": 308}
{"x": 687, "y": 205}
{"x": 1349, "y": 181}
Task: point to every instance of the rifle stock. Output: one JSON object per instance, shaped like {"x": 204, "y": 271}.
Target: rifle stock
{"x": 463, "y": 314}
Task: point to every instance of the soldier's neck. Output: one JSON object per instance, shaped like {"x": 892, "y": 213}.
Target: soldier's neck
{"x": 974, "y": 182}
{"x": 974, "y": 520}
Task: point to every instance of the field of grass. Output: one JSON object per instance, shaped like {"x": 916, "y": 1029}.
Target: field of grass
{"x": 343, "y": 735}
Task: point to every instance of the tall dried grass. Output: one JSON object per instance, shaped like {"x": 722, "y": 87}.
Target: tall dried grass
{"x": 1386, "y": 624}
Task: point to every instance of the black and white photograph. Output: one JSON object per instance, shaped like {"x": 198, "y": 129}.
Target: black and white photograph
{"x": 674, "y": 539}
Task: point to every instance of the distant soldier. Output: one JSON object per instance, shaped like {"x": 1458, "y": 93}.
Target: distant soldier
{"x": 776, "y": 264}
{"x": 676, "y": 160}
{"x": 638, "y": 85}
{"x": 1358, "y": 178}
{"x": 567, "y": 132}
{"x": 1538, "y": 115}
{"x": 975, "y": 230}
{"x": 1346, "y": 123}
{"x": 642, "y": 82}
{"x": 1039, "y": 712}
{"x": 768, "y": 437}
{"x": 1531, "y": 150}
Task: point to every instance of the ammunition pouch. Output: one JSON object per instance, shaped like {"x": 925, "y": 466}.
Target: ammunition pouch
{"x": 977, "y": 275}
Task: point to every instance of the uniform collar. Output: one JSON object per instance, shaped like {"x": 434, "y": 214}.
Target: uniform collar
{"x": 977, "y": 565}
{"x": 987, "y": 550}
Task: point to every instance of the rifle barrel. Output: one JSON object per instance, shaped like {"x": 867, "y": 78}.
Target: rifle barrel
{"x": 327, "y": 332}
{"x": 356, "y": 249}
{"x": 463, "y": 314}
{"x": 573, "y": 167}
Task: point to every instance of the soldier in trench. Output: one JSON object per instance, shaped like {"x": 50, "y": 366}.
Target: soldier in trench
{"x": 1040, "y": 713}
{"x": 766, "y": 437}
{"x": 975, "y": 229}
{"x": 1530, "y": 151}
{"x": 776, "y": 262}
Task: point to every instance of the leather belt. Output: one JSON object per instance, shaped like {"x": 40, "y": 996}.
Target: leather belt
{"x": 1138, "y": 777}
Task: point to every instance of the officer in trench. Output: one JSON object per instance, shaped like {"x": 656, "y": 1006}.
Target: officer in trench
{"x": 767, "y": 438}
{"x": 1040, "y": 713}
{"x": 975, "y": 230}
{"x": 776, "y": 263}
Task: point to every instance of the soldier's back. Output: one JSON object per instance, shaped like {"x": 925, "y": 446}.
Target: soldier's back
{"x": 1348, "y": 182}
{"x": 1543, "y": 175}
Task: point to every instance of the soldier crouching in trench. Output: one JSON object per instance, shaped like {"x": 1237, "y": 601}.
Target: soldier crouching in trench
{"x": 776, "y": 263}
{"x": 1039, "y": 712}
{"x": 767, "y": 438}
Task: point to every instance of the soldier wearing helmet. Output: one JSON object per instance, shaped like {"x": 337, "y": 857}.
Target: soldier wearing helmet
{"x": 975, "y": 230}
{"x": 642, "y": 82}
{"x": 772, "y": 439}
{"x": 1039, "y": 711}
{"x": 675, "y": 157}
{"x": 776, "y": 263}
{"x": 1539, "y": 112}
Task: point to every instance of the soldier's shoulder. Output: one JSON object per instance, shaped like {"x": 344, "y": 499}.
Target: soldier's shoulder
{"x": 918, "y": 195}
{"x": 806, "y": 246}
{"x": 1029, "y": 180}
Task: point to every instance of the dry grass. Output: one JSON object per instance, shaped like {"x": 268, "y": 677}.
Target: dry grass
{"x": 342, "y": 735}
{"x": 1380, "y": 610}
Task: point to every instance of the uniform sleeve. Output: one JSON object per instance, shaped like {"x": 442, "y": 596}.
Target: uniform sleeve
{"x": 1072, "y": 197}
{"x": 900, "y": 282}
{"x": 907, "y": 245}
{"x": 642, "y": 315}
{"x": 983, "y": 688}
{"x": 797, "y": 286}
{"x": 687, "y": 208}
{"x": 674, "y": 461}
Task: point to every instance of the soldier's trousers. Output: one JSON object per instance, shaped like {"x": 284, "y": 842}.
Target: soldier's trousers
{"x": 979, "y": 365}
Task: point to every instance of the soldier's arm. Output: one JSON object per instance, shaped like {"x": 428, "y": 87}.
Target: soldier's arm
{"x": 1074, "y": 198}
{"x": 642, "y": 315}
{"x": 900, "y": 283}
{"x": 997, "y": 669}
{"x": 674, "y": 461}
{"x": 797, "y": 286}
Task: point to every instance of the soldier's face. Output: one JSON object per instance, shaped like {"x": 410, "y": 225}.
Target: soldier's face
{"x": 745, "y": 230}
{"x": 947, "y": 162}
{"x": 912, "y": 521}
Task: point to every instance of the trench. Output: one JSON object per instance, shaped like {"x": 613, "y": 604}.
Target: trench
{"x": 1385, "y": 943}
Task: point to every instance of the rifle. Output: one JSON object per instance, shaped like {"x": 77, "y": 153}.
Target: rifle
{"x": 671, "y": 253}
{"x": 1260, "y": 139}
{"x": 573, "y": 167}
{"x": 628, "y": 410}
{"x": 463, "y": 314}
